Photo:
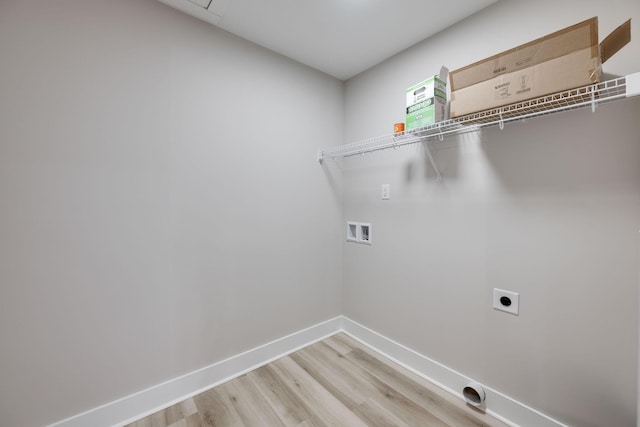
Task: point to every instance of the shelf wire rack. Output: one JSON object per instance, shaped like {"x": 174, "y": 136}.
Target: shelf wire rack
{"x": 586, "y": 96}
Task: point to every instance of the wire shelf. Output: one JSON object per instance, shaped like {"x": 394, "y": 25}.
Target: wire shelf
{"x": 591, "y": 95}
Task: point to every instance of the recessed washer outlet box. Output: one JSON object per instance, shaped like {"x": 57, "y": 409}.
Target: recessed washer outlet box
{"x": 352, "y": 231}
{"x": 365, "y": 233}
{"x": 359, "y": 232}
{"x": 506, "y": 301}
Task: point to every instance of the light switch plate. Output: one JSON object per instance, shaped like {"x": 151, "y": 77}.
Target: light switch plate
{"x": 386, "y": 192}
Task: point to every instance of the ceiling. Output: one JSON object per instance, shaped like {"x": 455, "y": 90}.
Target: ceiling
{"x": 339, "y": 37}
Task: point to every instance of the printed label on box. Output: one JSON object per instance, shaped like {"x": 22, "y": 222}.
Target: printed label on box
{"x": 426, "y": 103}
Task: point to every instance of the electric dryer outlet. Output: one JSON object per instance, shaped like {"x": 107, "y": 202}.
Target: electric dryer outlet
{"x": 506, "y": 301}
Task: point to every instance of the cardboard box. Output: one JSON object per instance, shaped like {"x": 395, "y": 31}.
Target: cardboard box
{"x": 426, "y": 102}
{"x": 563, "y": 60}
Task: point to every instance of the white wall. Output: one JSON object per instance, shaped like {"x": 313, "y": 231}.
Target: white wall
{"x": 549, "y": 208}
{"x": 161, "y": 207}
{"x": 158, "y": 182}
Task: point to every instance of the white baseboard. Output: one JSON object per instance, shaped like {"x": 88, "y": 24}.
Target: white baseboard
{"x": 500, "y": 406}
{"x": 138, "y": 405}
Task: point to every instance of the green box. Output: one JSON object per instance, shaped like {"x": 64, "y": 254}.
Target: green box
{"x": 426, "y": 103}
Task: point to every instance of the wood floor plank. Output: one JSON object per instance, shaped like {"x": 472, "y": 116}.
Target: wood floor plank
{"x": 179, "y": 411}
{"x": 320, "y": 358}
{"x": 159, "y": 420}
{"x": 249, "y": 403}
{"x": 189, "y": 421}
{"x": 325, "y": 406}
{"x": 349, "y": 393}
{"x": 286, "y": 403}
{"x": 349, "y": 390}
{"x": 216, "y": 410}
{"x": 364, "y": 385}
{"x": 442, "y": 404}
{"x": 435, "y": 404}
{"x": 144, "y": 422}
{"x": 376, "y": 415}
{"x": 333, "y": 383}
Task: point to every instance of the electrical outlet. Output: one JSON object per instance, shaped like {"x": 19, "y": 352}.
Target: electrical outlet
{"x": 506, "y": 301}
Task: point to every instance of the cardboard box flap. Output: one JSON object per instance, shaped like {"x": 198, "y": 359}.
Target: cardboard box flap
{"x": 615, "y": 41}
{"x": 576, "y": 37}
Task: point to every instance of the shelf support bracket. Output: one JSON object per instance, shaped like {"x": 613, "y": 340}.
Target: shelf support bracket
{"x": 501, "y": 122}
{"x": 433, "y": 163}
{"x": 320, "y": 156}
{"x": 593, "y": 100}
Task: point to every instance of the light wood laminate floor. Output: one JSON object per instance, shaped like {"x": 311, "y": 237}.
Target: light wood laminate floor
{"x": 335, "y": 382}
